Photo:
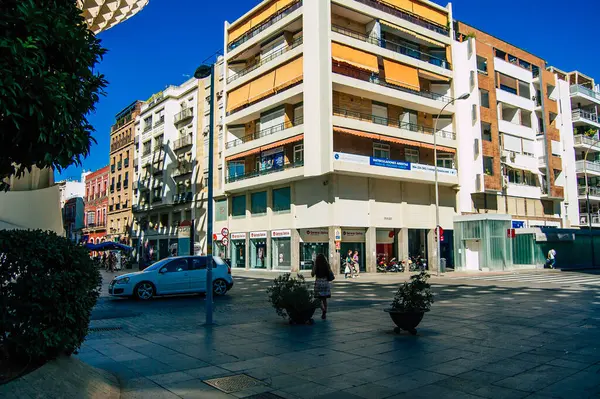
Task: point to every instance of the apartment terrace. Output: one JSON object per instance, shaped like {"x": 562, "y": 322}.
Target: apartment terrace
{"x": 437, "y": 21}
{"x": 580, "y": 115}
{"x": 183, "y": 142}
{"x": 395, "y": 47}
{"x": 265, "y": 132}
{"x": 260, "y": 21}
{"x": 582, "y": 91}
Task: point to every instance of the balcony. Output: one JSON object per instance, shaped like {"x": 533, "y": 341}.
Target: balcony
{"x": 158, "y": 147}
{"x": 182, "y": 143}
{"x": 156, "y": 199}
{"x": 378, "y": 120}
{"x": 119, "y": 165}
{"x": 264, "y": 132}
{"x": 406, "y": 15}
{"x": 184, "y": 115}
{"x": 184, "y": 168}
{"x": 374, "y": 78}
{"x": 585, "y": 221}
{"x": 121, "y": 122}
{"x": 117, "y": 144}
{"x": 581, "y": 140}
{"x": 580, "y": 115}
{"x": 593, "y": 190}
{"x": 582, "y": 166}
{"x": 578, "y": 90}
{"x": 395, "y": 47}
{"x": 147, "y": 128}
{"x": 264, "y": 60}
{"x": 250, "y": 175}
{"x": 278, "y": 16}
{"x": 160, "y": 121}
{"x": 183, "y": 197}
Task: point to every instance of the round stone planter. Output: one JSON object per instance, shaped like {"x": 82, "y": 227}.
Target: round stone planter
{"x": 407, "y": 321}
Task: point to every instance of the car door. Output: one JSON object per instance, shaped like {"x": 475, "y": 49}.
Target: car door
{"x": 174, "y": 277}
{"x": 198, "y": 274}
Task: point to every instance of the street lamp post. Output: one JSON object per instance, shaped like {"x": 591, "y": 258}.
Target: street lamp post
{"x": 203, "y": 72}
{"x": 587, "y": 200}
{"x": 437, "y": 194}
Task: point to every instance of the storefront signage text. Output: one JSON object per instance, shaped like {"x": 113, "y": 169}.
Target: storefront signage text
{"x": 393, "y": 164}
{"x": 237, "y": 236}
{"x": 258, "y": 234}
{"x": 281, "y": 233}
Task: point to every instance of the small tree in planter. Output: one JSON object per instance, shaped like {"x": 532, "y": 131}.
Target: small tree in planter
{"x": 412, "y": 300}
{"x": 292, "y": 298}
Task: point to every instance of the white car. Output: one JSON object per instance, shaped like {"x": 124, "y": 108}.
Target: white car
{"x": 176, "y": 275}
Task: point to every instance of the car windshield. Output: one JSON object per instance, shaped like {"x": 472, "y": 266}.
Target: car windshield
{"x": 157, "y": 265}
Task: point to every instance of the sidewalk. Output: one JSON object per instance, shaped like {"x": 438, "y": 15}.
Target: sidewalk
{"x": 477, "y": 342}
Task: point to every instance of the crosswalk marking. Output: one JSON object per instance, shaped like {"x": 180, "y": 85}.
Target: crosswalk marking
{"x": 561, "y": 278}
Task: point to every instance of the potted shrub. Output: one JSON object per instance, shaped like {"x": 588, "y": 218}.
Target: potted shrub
{"x": 292, "y": 298}
{"x": 412, "y": 300}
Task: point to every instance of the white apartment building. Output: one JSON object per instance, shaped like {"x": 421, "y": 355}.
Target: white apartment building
{"x": 330, "y": 112}
{"x": 165, "y": 167}
{"x": 585, "y": 107}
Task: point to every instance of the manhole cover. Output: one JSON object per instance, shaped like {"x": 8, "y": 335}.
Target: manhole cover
{"x": 101, "y": 329}
{"x": 234, "y": 383}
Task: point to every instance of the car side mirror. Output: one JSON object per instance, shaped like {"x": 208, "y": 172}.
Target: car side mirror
{"x": 163, "y": 271}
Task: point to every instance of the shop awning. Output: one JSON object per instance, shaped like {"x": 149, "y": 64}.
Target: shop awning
{"x": 433, "y": 76}
{"x": 258, "y": 18}
{"x": 401, "y": 75}
{"x": 238, "y": 97}
{"x": 262, "y": 87}
{"x": 390, "y": 139}
{"x": 257, "y": 150}
{"x": 512, "y": 165}
{"x": 413, "y": 34}
{"x": 354, "y": 57}
{"x": 428, "y": 12}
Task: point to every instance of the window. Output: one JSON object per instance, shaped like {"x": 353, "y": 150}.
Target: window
{"x": 524, "y": 89}
{"x": 177, "y": 265}
{"x": 488, "y": 166}
{"x": 282, "y": 199}
{"x": 236, "y": 168}
{"x": 199, "y": 263}
{"x": 258, "y": 203}
{"x": 482, "y": 65}
{"x": 221, "y": 210}
{"x": 299, "y": 154}
{"x": 445, "y": 161}
{"x": 381, "y": 151}
{"x": 486, "y": 131}
{"x": 380, "y": 113}
{"x": 500, "y": 54}
{"x": 147, "y": 123}
{"x": 238, "y": 206}
{"x": 411, "y": 155}
{"x": 484, "y": 98}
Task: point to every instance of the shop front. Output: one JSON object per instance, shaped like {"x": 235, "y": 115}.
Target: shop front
{"x": 353, "y": 240}
{"x": 238, "y": 250}
{"x": 281, "y": 245}
{"x": 385, "y": 244}
{"x": 258, "y": 250}
{"x": 312, "y": 243}
{"x": 219, "y": 248}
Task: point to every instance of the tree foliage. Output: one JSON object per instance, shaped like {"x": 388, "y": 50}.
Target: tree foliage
{"x": 48, "y": 287}
{"x": 47, "y": 85}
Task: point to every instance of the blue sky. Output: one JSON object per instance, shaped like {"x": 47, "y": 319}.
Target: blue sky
{"x": 165, "y": 42}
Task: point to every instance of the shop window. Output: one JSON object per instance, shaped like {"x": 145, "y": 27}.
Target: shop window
{"x": 258, "y": 253}
{"x": 281, "y": 253}
{"x": 258, "y": 203}
{"x": 411, "y": 155}
{"x": 488, "y": 166}
{"x": 282, "y": 199}
{"x": 221, "y": 210}
{"x": 238, "y": 253}
{"x": 381, "y": 151}
{"x": 238, "y": 206}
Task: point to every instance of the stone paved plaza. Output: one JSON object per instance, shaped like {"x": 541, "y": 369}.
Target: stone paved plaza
{"x": 483, "y": 339}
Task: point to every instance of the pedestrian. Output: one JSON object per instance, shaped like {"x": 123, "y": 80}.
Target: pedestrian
{"x": 348, "y": 263}
{"x": 323, "y": 277}
{"x": 551, "y": 258}
{"x": 356, "y": 264}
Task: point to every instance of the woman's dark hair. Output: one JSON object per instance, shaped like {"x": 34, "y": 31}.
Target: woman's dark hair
{"x": 321, "y": 267}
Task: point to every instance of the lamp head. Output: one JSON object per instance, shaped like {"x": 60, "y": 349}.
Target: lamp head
{"x": 203, "y": 71}
{"x": 464, "y": 96}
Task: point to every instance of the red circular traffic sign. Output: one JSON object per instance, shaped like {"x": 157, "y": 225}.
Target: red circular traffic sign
{"x": 225, "y": 241}
{"x": 224, "y": 231}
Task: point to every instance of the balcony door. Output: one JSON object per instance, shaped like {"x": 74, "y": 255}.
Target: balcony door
{"x": 272, "y": 122}
{"x": 380, "y": 113}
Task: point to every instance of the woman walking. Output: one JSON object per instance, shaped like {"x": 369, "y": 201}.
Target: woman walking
{"x": 322, "y": 271}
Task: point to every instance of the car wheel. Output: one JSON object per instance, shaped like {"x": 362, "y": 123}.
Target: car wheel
{"x": 219, "y": 287}
{"x": 144, "y": 291}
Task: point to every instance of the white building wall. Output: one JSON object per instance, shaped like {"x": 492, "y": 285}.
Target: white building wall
{"x": 564, "y": 123}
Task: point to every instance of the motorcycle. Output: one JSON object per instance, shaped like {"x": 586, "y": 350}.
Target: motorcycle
{"x": 382, "y": 267}
{"x": 395, "y": 266}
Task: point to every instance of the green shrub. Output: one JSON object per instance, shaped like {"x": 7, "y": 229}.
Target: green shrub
{"x": 291, "y": 294}
{"x": 414, "y": 296}
{"x": 49, "y": 286}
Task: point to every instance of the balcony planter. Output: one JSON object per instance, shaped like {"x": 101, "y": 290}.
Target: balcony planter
{"x": 292, "y": 299}
{"x": 411, "y": 301}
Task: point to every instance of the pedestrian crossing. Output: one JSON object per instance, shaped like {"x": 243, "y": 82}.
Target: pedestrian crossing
{"x": 554, "y": 277}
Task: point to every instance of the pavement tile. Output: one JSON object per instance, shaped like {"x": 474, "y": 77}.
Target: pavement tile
{"x": 535, "y": 379}
{"x": 372, "y": 391}
{"x": 481, "y": 376}
{"x": 579, "y": 385}
{"x": 170, "y": 378}
{"x": 496, "y": 392}
{"x": 507, "y": 367}
{"x": 196, "y": 389}
{"x": 205, "y": 373}
{"x": 308, "y": 390}
{"x": 435, "y": 391}
{"x": 410, "y": 381}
